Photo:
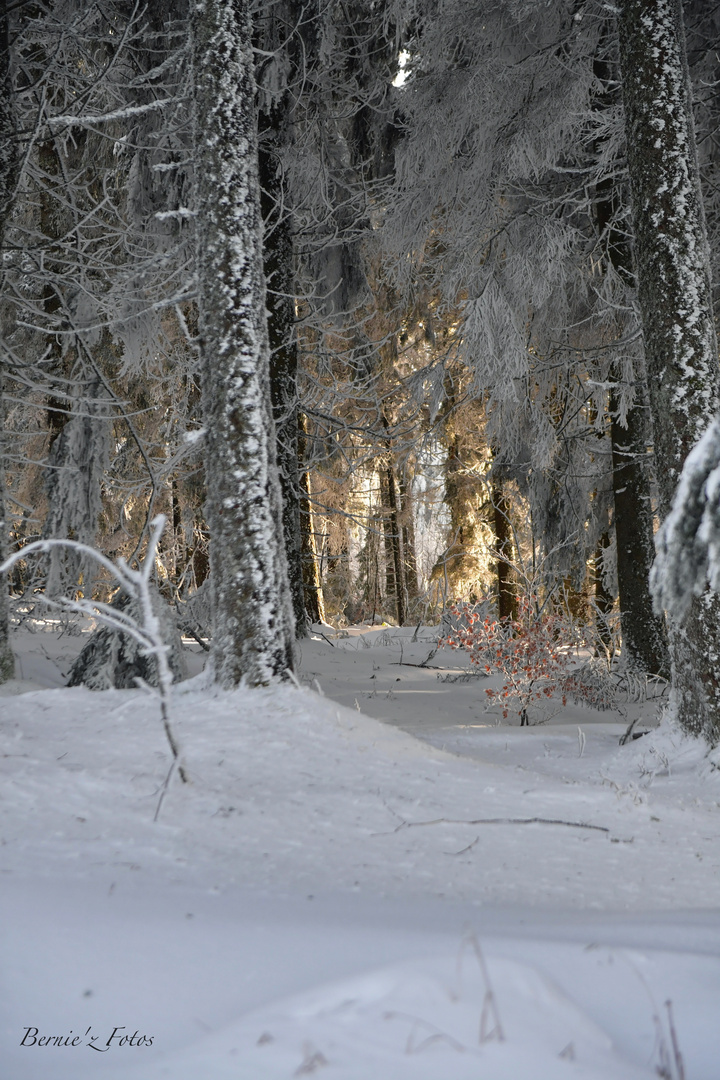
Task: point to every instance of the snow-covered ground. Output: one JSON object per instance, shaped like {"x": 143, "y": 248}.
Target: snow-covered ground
{"x": 373, "y": 881}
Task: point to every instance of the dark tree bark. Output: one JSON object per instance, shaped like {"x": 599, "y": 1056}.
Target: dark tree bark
{"x": 673, "y": 274}
{"x": 314, "y": 600}
{"x": 275, "y": 133}
{"x": 8, "y": 178}
{"x": 393, "y": 544}
{"x": 253, "y": 621}
{"x": 507, "y": 592}
{"x": 644, "y": 634}
{"x": 407, "y": 524}
{"x": 7, "y": 660}
{"x": 604, "y": 600}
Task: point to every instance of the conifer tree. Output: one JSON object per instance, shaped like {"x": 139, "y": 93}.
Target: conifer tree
{"x": 8, "y": 176}
{"x": 253, "y": 635}
{"x": 673, "y": 271}
{"x": 279, "y": 72}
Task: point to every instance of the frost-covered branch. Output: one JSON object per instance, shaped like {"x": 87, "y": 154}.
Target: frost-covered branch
{"x": 136, "y": 583}
{"x": 688, "y": 544}
{"x": 117, "y": 114}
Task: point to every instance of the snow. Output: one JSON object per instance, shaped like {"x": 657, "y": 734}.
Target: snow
{"x": 418, "y": 893}
{"x": 688, "y": 544}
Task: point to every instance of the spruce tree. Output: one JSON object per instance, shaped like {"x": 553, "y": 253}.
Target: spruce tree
{"x": 8, "y": 176}
{"x": 253, "y": 621}
{"x": 673, "y": 272}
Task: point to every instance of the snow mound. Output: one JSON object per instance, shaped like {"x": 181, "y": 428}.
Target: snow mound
{"x": 462, "y": 1016}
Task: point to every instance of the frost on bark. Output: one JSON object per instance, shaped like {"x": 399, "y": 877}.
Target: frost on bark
{"x": 673, "y": 274}
{"x": 7, "y": 660}
{"x": 253, "y": 620}
{"x": 8, "y": 175}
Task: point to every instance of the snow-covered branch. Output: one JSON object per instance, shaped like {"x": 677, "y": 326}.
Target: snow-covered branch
{"x": 106, "y": 118}
{"x": 688, "y": 544}
{"x": 136, "y": 583}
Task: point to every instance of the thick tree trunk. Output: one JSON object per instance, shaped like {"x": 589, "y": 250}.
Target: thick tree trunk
{"x": 675, "y": 301}
{"x": 7, "y": 660}
{"x": 253, "y": 634}
{"x": 644, "y": 634}
{"x": 275, "y": 120}
{"x": 8, "y": 177}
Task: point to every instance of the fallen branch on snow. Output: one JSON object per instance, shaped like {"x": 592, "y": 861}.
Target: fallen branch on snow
{"x": 493, "y": 821}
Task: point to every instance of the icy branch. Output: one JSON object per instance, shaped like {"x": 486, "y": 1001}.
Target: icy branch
{"x": 105, "y": 118}
{"x": 137, "y": 584}
{"x": 688, "y": 544}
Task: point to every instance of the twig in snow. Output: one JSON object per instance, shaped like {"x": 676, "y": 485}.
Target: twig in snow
{"x": 312, "y": 1059}
{"x": 293, "y": 679}
{"x": 411, "y": 1047}
{"x": 624, "y": 738}
{"x": 679, "y": 1064}
{"x": 409, "y": 663}
{"x": 489, "y": 1002}
{"x": 164, "y": 788}
{"x": 463, "y": 850}
{"x": 428, "y": 658}
{"x": 494, "y": 821}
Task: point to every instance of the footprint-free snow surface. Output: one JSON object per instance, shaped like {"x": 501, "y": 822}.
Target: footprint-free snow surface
{"x": 418, "y": 894}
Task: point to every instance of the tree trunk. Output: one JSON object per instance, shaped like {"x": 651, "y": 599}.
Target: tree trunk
{"x": 673, "y": 273}
{"x": 396, "y": 544}
{"x": 275, "y": 119}
{"x": 507, "y": 592}
{"x": 7, "y": 660}
{"x": 604, "y": 599}
{"x": 409, "y": 550}
{"x": 393, "y": 553}
{"x": 8, "y": 177}
{"x": 314, "y": 600}
{"x": 253, "y": 635}
{"x": 459, "y": 564}
{"x": 644, "y": 634}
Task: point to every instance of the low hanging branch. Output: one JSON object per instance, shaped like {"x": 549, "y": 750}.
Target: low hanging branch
{"x": 136, "y": 583}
